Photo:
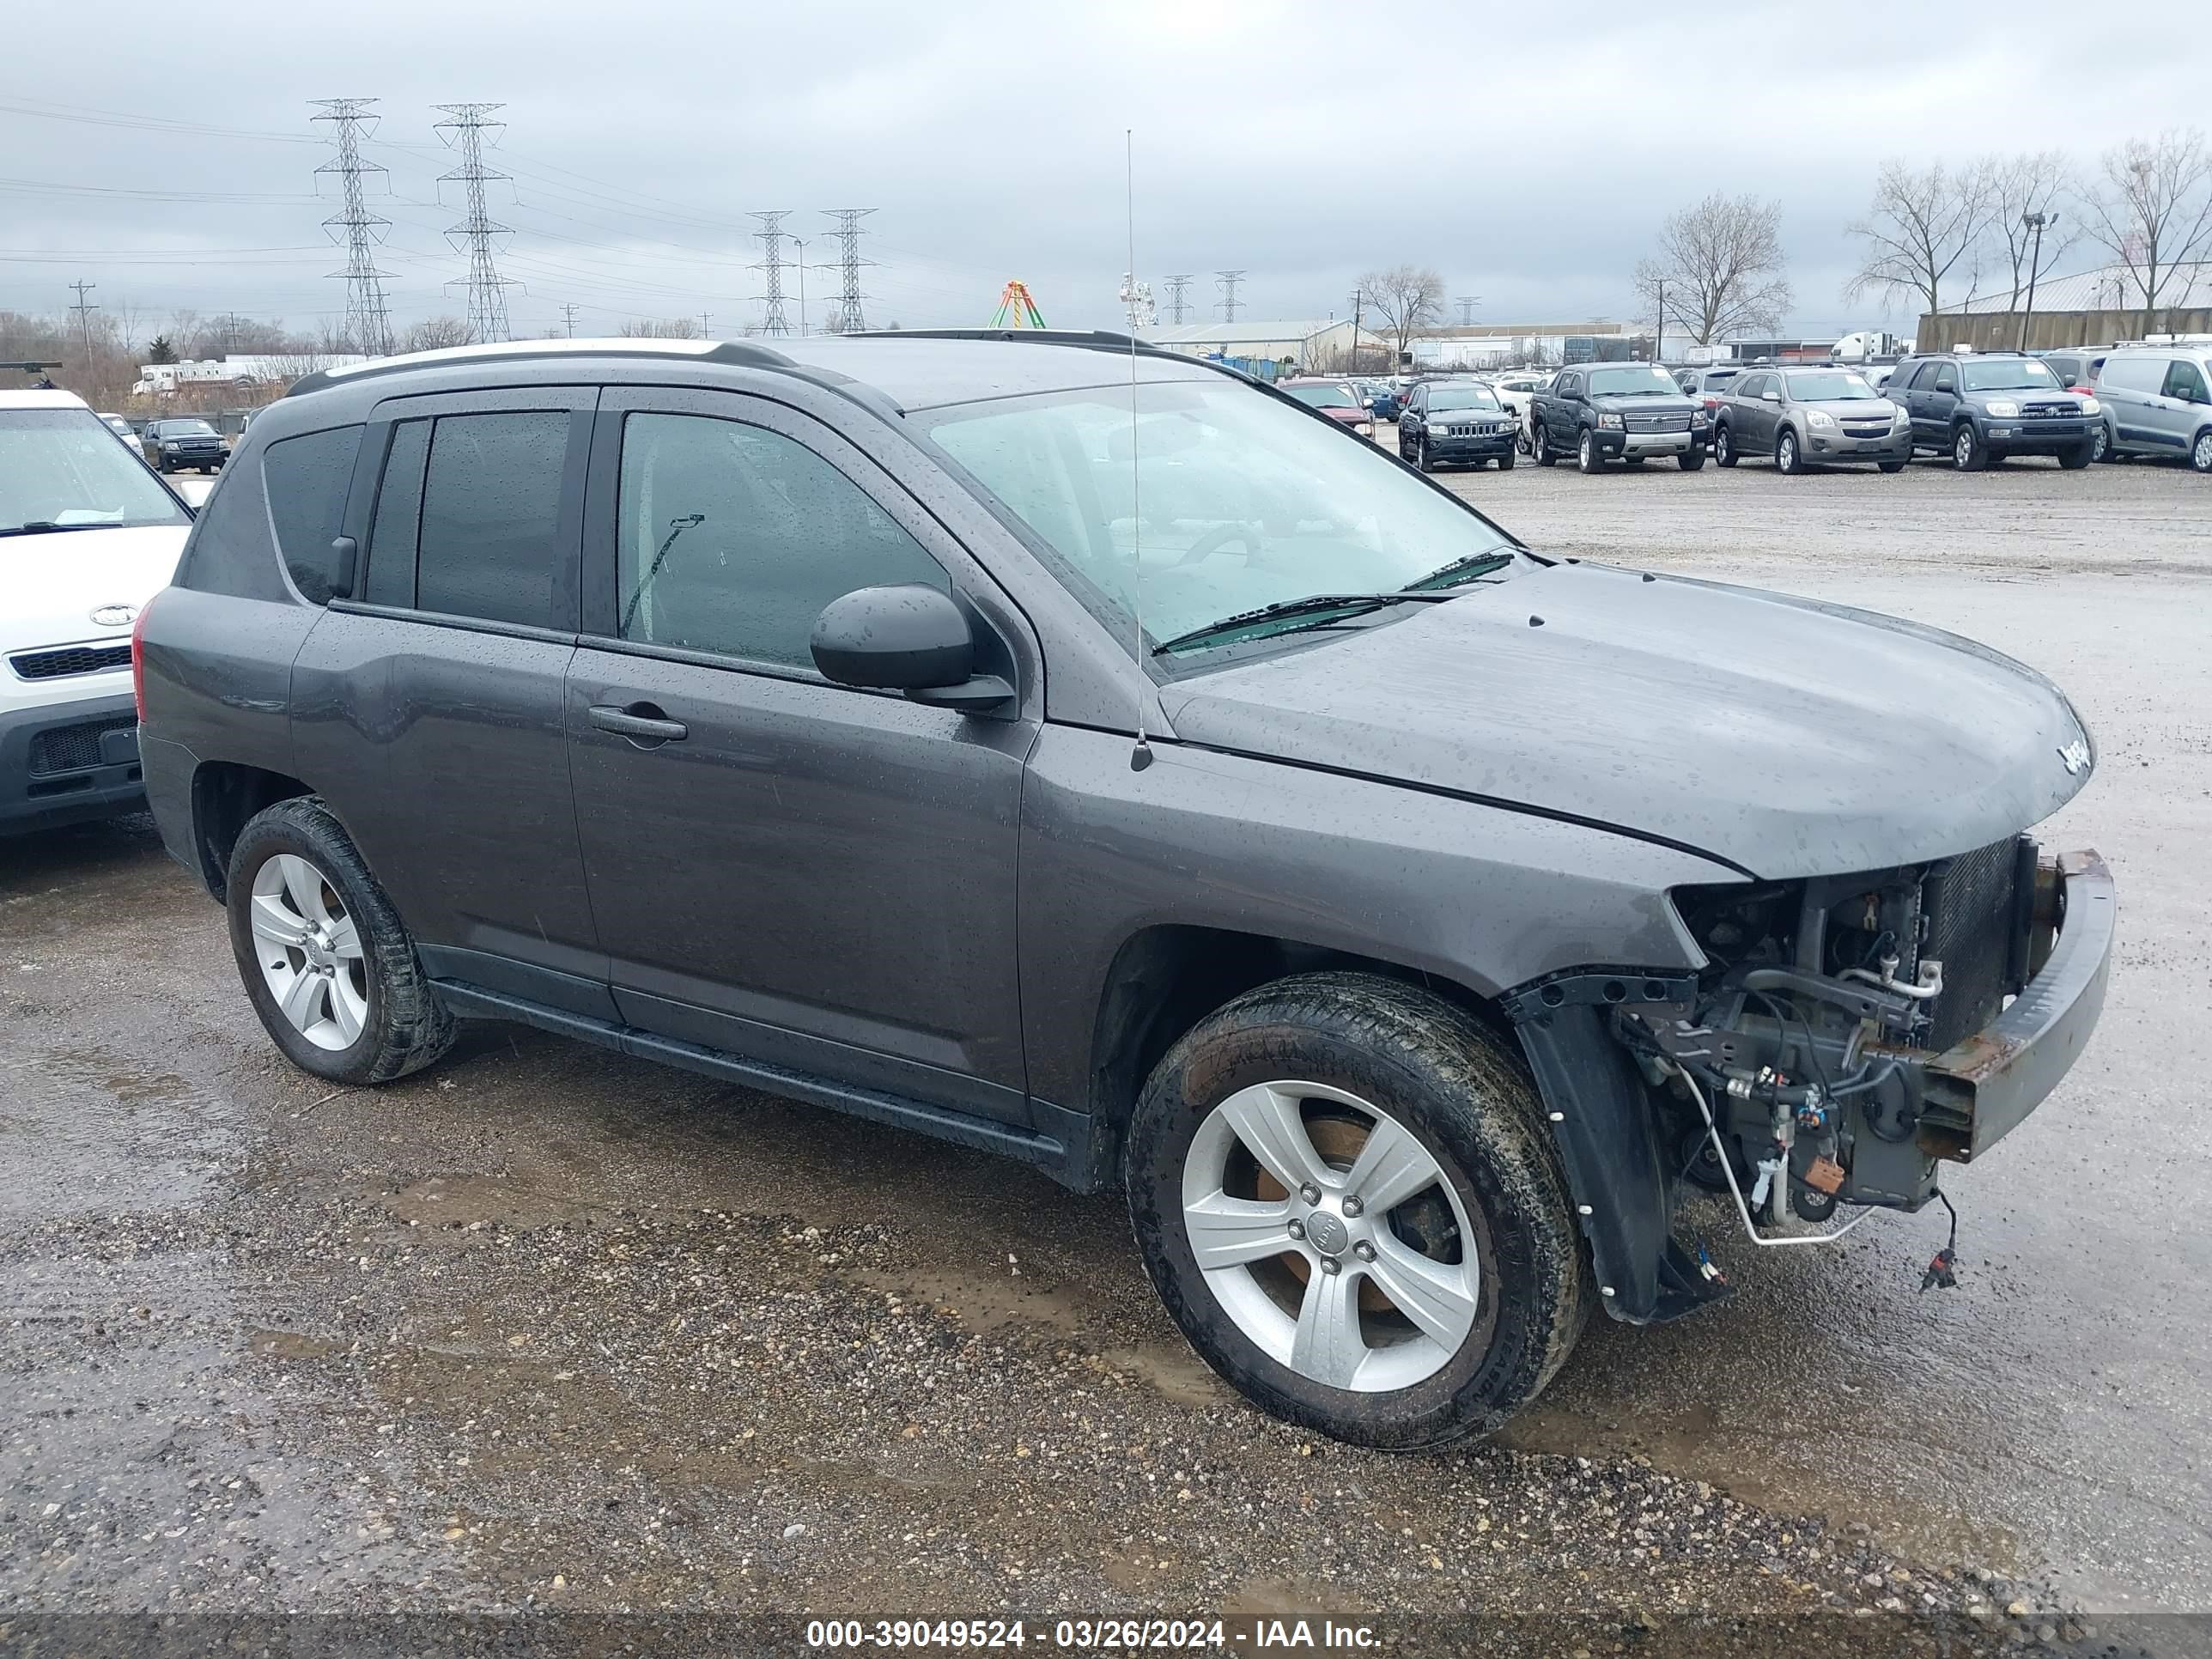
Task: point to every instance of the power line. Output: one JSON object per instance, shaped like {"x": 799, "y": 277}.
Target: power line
{"x": 770, "y": 233}
{"x": 1226, "y": 280}
{"x": 847, "y": 237}
{"x": 84, "y": 309}
{"x": 368, "y": 319}
{"x": 465, "y": 125}
{"x": 1178, "y": 285}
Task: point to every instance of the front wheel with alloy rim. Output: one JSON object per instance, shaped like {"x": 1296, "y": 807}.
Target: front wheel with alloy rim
{"x": 1345, "y": 1194}
{"x": 1968, "y": 453}
{"x": 1786, "y": 456}
{"x": 1723, "y": 448}
{"x": 1586, "y": 457}
{"x": 2200, "y": 453}
{"x": 327, "y": 964}
{"x": 1421, "y": 461}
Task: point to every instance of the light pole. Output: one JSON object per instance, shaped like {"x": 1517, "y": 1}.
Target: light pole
{"x": 2035, "y": 221}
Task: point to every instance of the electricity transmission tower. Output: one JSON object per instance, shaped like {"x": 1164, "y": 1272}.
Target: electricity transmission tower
{"x": 463, "y": 128}
{"x": 1226, "y": 280}
{"x": 1177, "y": 286}
{"x": 368, "y": 322}
{"x": 568, "y": 318}
{"x": 770, "y": 233}
{"x": 847, "y": 236}
{"x": 1467, "y": 303}
{"x": 84, "y": 308}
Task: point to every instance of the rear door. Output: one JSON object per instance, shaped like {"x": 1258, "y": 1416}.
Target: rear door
{"x": 2129, "y": 386}
{"x": 428, "y": 706}
{"x": 816, "y": 877}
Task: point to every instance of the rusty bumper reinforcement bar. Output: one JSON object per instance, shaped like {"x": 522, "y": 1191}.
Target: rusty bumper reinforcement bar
{"x": 1980, "y": 1088}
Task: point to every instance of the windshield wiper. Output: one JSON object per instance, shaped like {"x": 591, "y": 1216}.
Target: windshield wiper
{"x": 1463, "y": 570}
{"x": 47, "y": 527}
{"x": 1321, "y": 608}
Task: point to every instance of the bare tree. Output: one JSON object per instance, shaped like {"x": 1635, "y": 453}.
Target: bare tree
{"x": 661, "y": 328}
{"x": 434, "y": 334}
{"x": 1406, "y": 300}
{"x": 1718, "y": 270}
{"x": 2021, "y": 187}
{"x": 1921, "y": 226}
{"x": 2154, "y": 207}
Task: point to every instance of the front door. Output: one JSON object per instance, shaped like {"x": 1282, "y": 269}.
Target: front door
{"x": 816, "y": 878}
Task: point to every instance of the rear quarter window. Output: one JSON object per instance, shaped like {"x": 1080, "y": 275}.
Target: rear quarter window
{"x": 306, "y": 479}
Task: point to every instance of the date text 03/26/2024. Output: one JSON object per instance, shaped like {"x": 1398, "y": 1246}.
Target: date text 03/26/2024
{"x": 1086, "y": 1635}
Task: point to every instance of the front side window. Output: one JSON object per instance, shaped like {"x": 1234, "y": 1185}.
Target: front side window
{"x": 60, "y": 468}
{"x": 306, "y": 479}
{"x": 491, "y": 513}
{"x": 2186, "y": 380}
{"x": 1229, "y": 500}
{"x": 732, "y": 538}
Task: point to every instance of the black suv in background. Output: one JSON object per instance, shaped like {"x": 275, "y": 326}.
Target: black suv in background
{"x": 1454, "y": 424}
{"x": 1603, "y": 412}
{"x": 168, "y": 445}
{"x": 1980, "y": 407}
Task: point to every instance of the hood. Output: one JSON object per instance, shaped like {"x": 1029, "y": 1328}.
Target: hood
{"x": 1783, "y": 735}
{"x": 54, "y": 582}
{"x": 1636, "y": 405}
{"x": 1854, "y": 408}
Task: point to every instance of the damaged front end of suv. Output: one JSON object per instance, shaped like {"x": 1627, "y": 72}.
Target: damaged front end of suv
{"x": 1847, "y": 1036}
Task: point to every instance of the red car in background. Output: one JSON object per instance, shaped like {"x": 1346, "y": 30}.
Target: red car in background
{"x": 1338, "y": 400}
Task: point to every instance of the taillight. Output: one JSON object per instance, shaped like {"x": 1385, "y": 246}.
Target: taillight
{"x": 138, "y": 659}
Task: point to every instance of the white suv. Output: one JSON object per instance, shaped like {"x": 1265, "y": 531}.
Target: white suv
{"x": 87, "y": 535}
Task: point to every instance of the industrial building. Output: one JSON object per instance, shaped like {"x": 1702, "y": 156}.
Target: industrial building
{"x": 1269, "y": 349}
{"x": 1499, "y": 345}
{"x": 2091, "y": 308}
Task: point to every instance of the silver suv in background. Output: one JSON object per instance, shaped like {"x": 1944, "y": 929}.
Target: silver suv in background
{"x": 1808, "y": 417}
{"x": 2157, "y": 401}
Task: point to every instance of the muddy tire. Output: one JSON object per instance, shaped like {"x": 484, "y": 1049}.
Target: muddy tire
{"x": 325, "y": 959}
{"x": 1434, "y": 1281}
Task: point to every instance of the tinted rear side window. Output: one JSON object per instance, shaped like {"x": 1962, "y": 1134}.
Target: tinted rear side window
{"x": 491, "y": 510}
{"x": 307, "y": 478}
{"x": 399, "y": 513}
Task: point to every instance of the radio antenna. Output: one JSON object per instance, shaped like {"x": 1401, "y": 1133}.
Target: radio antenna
{"x": 1141, "y": 755}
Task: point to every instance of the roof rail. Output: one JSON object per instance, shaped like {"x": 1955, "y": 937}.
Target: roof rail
{"x": 1097, "y": 339}
{"x": 743, "y": 353}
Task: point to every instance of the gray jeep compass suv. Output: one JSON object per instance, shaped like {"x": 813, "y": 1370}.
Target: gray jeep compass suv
{"x": 1092, "y": 756}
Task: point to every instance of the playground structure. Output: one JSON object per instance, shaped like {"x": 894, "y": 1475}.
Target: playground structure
{"x": 1016, "y": 308}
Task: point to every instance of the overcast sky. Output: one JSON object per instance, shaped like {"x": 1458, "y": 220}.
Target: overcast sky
{"x": 1528, "y": 152}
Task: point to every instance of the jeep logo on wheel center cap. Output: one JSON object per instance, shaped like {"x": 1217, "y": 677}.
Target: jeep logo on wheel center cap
{"x": 115, "y": 615}
{"x": 1326, "y": 1232}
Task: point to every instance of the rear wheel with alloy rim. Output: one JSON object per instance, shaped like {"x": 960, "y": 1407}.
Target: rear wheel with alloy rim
{"x": 1542, "y": 451}
{"x": 1347, "y": 1196}
{"x": 2100, "y": 442}
{"x": 325, "y": 961}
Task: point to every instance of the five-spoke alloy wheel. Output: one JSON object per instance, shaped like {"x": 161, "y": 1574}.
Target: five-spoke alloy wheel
{"x": 1347, "y": 1196}
{"x": 309, "y": 949}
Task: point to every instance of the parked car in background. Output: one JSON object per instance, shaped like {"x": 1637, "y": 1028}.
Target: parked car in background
{"x": 2157, "y": 401}
{"x": 121, "y": 428}
{"x": 1335, "y": 398}
{"x": 87, "y": 536}
{"x": 168, "y": 445}
{"x": 1602, "y": 413}
{"x": 1385, "y": 401}
{"x": 1517, "y": 389}
{"x": 1981, "y": 407}
{"x": 2078, "y": 366}
{"x": 1390, "y": 955}
{"x": 1803, "y": 418}
{"x": 1456, "y": 424}
{"x": 1709, "y": 384}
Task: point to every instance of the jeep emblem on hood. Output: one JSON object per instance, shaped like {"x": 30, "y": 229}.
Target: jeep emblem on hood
{"x": 115, "y": 615}
{"x": 2075, "y": 756}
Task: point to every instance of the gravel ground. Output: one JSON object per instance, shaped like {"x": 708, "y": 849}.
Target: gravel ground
{"x": 547, "y": 1331}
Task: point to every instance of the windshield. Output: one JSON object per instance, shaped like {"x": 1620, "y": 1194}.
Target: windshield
{"x": 1245, "y": 504}
{"x": 1462, "y": 397}
{"x": 1628, "y": 382}
{"x": 1324, "y": 397}
{"x": 2010, "y": 375}
{"x": 185, "y": 429}
{"x": 1830, "y": 386}
{"x": 61, "y": 469}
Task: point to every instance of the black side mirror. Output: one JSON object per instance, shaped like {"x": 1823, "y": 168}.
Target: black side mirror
{"x": 910, "y": 638}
